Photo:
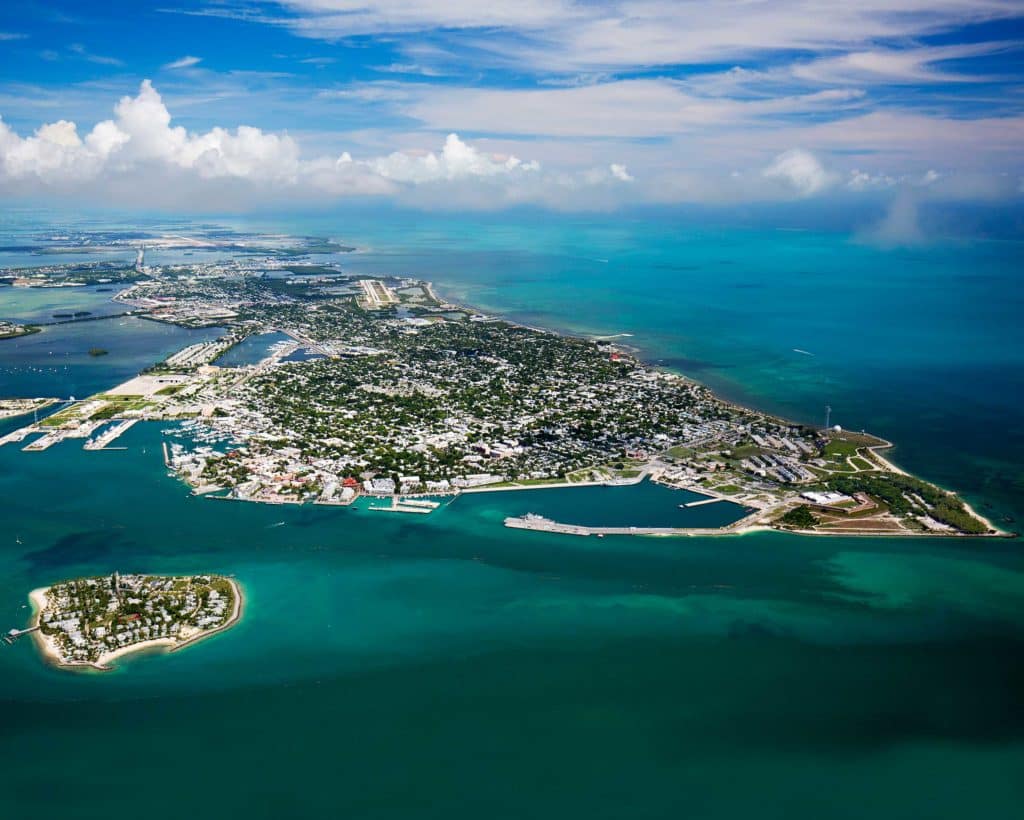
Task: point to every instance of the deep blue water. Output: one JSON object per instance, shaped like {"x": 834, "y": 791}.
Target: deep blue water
{"x": 444, "y": 666}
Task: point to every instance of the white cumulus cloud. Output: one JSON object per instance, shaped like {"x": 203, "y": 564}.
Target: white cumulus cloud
{"x": 456, "y": 161}
{"x": 619, "y": 172}
{"x": 141, "y": 154}
{"x": 801, "y": 171}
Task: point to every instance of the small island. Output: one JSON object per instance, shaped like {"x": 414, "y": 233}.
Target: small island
{"x": 88, "y": 622}
{"x": 12, "y": 330}
{"x": 98, "y": 351}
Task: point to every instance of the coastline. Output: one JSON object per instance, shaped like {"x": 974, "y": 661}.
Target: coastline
{"x": 431, "y": 288}
{"x": 236, "y": 616}
{"x": 635, "y": 351}
{"x": 37, "y": 597}
{"x": 885, "y": 444}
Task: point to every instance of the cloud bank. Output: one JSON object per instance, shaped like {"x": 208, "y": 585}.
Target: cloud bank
{"x": 140, "y": 155}
{"x": 572, "y": 35}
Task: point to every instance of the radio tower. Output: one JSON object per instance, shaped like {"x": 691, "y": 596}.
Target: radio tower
{"x": 828, "y": 415}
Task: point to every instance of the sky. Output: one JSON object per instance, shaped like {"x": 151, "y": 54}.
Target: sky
{"x": 565, "y": 104}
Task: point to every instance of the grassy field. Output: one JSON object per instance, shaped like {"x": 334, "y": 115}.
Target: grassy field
{"x": 840, "y": 449}
{"x": 727, "y": 489}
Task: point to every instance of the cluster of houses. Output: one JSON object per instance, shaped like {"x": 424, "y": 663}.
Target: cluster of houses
{"x": 86, "y": 618}
{"x": 404, "y": 404}
{"x": 784, "y": 468}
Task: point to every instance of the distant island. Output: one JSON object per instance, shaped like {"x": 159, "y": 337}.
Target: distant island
{"x": 98, "y": 351}
{"x": 88, "y": 622}
{"x": 17, "y": 407}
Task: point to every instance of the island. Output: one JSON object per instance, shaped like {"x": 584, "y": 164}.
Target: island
{"x": 18, "y": 407}
{"x": 12, "y": 330}
{"x": 89, "y": 622}
{"x": 364, "y": 385}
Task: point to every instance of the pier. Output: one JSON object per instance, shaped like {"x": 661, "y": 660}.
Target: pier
{"x": 45, "y": 442}
{"x": 56, "y": 436}
{"x": 17, "y": 436}
{"x": 411, "y": 505}
{"x": 531, "y": 521}
{"x": 14, "y": 634}
{"x": 420, "y": 502}
{"x": 701, "y": 503}
{"x": 107, "y": 436}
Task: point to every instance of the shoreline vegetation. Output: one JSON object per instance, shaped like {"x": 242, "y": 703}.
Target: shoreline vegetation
{"x": 52, "y": 655}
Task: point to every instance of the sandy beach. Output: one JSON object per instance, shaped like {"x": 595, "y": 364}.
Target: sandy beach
{"x": 985, "y": 521}
{"x": 890, "y": 466}
{"x": 236, "y": 615}
{"x": 102, "y": 663}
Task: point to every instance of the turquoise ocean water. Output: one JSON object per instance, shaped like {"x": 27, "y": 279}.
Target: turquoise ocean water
{"x": 444, "y": 666}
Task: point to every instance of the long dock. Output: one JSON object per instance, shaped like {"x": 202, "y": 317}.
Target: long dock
{"x": 423, "y": 506}
{"x": 425, "y": 503}
{"x": 18, "y": 435}
{"x": 402, "y": 508}
{"x": 541, "y": 524}
{"x": 45, "y": 442}
{"x": 701, "y": 503}
{"x": 14, "y": 634}
{"x": 56, "y": 436}
{"x": 109, "y": 435}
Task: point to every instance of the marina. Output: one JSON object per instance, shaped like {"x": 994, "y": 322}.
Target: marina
{"x": 421, "y": 506}
{"x": 83, "y": 430}
{"x": 108, "y": 436}
{"x": 255, "y": 349}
